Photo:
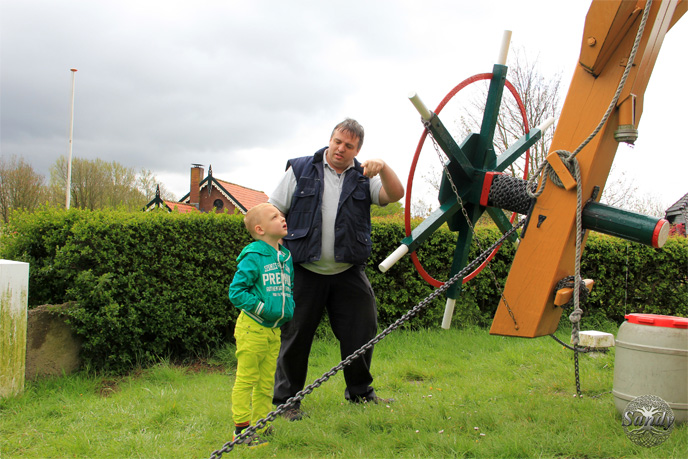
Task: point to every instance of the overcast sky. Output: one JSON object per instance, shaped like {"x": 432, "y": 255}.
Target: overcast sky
{"x": 244, "y": 85}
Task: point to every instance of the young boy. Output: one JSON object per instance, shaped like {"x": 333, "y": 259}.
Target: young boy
{"x": 262, "y": 289}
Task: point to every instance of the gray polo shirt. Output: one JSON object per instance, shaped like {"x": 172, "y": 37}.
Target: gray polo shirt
{"x": 281, "y": 198}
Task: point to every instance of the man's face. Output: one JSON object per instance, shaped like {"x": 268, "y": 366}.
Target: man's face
{"x": 342, "y": 150}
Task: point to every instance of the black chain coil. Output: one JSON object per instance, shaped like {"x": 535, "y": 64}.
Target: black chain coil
{"x": 509, "y": 193}
{"x": 568, "y": 282}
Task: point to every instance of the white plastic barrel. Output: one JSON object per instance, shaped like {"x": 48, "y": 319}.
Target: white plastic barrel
{"x": 652, "y": 359}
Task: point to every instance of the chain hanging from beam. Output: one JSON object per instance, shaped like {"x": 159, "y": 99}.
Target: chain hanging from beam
{"x": 229, "y": 446}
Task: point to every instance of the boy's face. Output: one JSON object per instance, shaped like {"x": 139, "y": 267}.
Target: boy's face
{"x": 273, "y": 223}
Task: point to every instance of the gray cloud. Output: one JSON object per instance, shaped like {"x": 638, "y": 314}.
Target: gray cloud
{"x": 243, "y": 85}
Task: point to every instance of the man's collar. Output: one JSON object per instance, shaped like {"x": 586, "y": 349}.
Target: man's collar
{"x": 330, "y": 167}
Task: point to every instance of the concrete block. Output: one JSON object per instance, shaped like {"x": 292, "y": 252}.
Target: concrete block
{"x": 596, "y": 339}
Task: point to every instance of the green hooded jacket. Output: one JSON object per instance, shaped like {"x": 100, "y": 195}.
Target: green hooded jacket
{"x": 263, "y": 283}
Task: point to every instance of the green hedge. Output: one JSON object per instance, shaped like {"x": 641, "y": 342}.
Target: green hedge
{"x": 146, "y": 285}
{"x": 143, "y": 285}
{"x": 629, "y": 278}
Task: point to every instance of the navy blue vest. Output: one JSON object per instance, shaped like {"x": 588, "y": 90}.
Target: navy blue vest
{"x": 304, "y": 220}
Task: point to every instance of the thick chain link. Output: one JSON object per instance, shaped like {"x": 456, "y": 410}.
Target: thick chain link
{"x": 468, "y": 220}
{"x": 577, "y": 372}
{"x": 227, "y": 447}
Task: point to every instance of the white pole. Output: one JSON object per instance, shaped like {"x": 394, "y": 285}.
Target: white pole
{"x": 393, "y": 258}
{"x": 504, "y": 50}
{"x": 448, "y": 313}
{"x": 420, "y": 106}
{"x": 71, "y": 132}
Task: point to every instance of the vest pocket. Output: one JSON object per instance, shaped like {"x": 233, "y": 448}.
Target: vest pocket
{"x": 359, "y": 194}
{"x": 296, "y": 234}
{"x": 305, "y": 187}
{"x": 364, "y": 238}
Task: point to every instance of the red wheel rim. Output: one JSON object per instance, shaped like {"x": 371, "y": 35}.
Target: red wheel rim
{"x": 409, "y": 186}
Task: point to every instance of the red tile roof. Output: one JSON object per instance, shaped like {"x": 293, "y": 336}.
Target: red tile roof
{"x": 246, "y": 196}
{"x": 181, "y": 207}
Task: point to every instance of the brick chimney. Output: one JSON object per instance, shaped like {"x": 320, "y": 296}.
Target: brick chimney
{"x": 194, "y": 190}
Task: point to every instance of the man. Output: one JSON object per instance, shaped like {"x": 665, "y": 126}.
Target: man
{"x": 326, "y": 199}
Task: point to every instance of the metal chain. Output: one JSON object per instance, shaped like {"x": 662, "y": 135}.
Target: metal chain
{"x": 577, "y": 372}
{"x": 584, "y": 292}
{"x": 575, "y": 350}
{"x": 424, "y": 304}
{"x": 579, "y": 350}
{"x": 249, "y": 431}
{"x": 468, "y": 220}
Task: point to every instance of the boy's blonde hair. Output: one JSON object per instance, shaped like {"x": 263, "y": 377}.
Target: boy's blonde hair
{"x": 253, "y": 217}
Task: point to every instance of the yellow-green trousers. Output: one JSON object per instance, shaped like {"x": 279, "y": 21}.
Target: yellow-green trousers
{"x": 257, "y": 348}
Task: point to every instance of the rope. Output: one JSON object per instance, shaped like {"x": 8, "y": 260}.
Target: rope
{"x": 571, "y": 163}
{"x": 569, "y": 159}
{"x": 249, "y": 431}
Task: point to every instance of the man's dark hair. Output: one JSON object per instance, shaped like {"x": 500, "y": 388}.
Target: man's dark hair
{"x": 352, "y": 127}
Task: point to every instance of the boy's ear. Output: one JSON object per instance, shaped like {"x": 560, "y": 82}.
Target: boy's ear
{"x": 259, "y": 230}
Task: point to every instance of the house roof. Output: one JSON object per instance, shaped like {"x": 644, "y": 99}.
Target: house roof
{"x": 241, "y": 197}
{"x": 180, "y": 207}
{"x": 170, "y": 206}
{"x": 245, "y": 197}
{"x": 678, "y": 212}
{"x": 679, "y": 205}
{"x": 156, "y": 203}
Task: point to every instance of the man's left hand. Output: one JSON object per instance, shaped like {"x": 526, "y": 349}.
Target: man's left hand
{"x": 372, "y": 167}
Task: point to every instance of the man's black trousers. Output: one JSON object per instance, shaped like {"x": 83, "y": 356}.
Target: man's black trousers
{"x": 350, "y": 303}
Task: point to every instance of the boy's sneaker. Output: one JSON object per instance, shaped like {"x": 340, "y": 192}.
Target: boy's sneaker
{"x": 250, "y": 441}
{"x": 257, "y": 441}
{"x": 293, "y": 414}
{"x": 267, "y": 431}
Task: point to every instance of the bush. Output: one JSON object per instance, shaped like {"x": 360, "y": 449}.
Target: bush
{"x": 143, "y": 285}
{"x": 149, "y": 285}
{"x": 635, "y": 278}
{"x": 401, "y": 287}
{"x": 629, "y": 278}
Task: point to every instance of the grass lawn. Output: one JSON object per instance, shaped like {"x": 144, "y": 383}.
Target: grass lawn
{"x": 459, "y": 393}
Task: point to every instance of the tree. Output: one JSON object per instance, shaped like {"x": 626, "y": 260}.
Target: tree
{"x": 148, "y": 183}
{"x": 541, "y": 96}
{"x": 393, "y": 208}
{"x": 96, "y": 184}
{"x": 20, "y": 186}
{"x": 623, "y": 193}
{"x": 618, "y": 192}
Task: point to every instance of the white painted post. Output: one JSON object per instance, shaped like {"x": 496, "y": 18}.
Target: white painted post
{"x": 14, "y": 299}
{"x": 68, "y": 191}
{"x": 448, "y": 313}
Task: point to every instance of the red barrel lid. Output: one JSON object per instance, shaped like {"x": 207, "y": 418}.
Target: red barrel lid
{"x": 658, "y": 320}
